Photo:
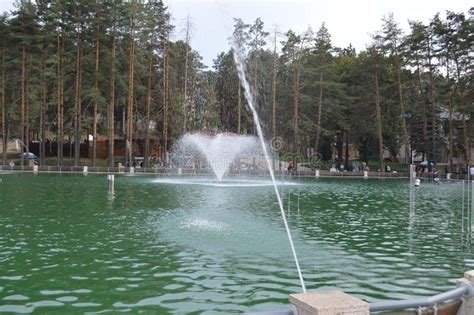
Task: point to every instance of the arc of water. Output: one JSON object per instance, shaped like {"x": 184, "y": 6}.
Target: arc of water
{"x": 248, "y": 95}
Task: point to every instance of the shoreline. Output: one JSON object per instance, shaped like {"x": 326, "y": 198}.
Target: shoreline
{"x": 179, "y": 172}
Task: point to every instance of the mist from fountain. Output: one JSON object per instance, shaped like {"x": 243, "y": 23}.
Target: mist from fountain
{"x": 220, "y": 150}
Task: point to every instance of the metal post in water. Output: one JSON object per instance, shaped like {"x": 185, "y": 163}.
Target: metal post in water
{"x": 468, "y": 203}
{"x": 299, "y": 182}
{"x": 289, "y": 201}
{"x": 282, "y": 186}
{"x": 462, "y": 209}
{"x": 412, "y": 195}
{"x": 472, "y": 207}
{"x": 111, "y": 182}
{"x": 468, "y": 193}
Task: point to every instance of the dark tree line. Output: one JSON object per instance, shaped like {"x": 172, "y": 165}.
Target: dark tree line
{"x": 114, "y": 69}
{"x": 76, "y": 68}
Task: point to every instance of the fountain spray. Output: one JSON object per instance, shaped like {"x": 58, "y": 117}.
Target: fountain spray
{"x": 238, "y": 58}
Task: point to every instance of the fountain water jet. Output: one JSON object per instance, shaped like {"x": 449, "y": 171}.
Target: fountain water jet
{"x": 219, "y": 150}
{"x": 238, "y": 59}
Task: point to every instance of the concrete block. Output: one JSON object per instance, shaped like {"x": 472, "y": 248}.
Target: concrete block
{"x": 328, "y": 303}
{"x": 469, "y": 276}
{"x": 467, "y": 307}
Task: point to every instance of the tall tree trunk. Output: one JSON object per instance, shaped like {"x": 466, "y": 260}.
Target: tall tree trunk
{"x": 96, "y": 94}
{"x": 60, "y": 113}
{"x": 320, "y": 109}
{"x": 148, "y": 109}
{"x": 462, "y": 107}
{"x": 450, "y": 122}
{"x": 23, "y": 97}
{"x": 424, "y": 118}
{"x": 405, "y": 137}
{"x": 130, "y": 98}
{"x": 78, "y": 107}
{"x": 296, "y": 99}
{"x": 466, "y": 149}
{"x": 4, "y": 112}
{"x": 27, "y": 108}
{"x": 274, "y": 77}
{"x": 339, "y": 147}
{"x": 433, "y": 116}
{"x": 255, "y": 89}
{"x": 43, "y": 124}
{"x": 467, "y": 143}
{"x": 43, "y": 108}
{"x": 346, "y": 159}
{"x": 451, "y": 140}
{"x": 186, "y": 65}
{"x": 378, "y": 115}
{"x": 111, "y": 109}
{"x": 433, "y": 103}
{"x": 165, "y": 97}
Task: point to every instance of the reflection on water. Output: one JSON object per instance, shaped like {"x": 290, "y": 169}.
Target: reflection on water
{"x": 67, "y": 246}
{"x": 223, "y": 183}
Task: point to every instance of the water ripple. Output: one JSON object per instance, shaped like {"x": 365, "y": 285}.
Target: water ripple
{"x": 190, "y": 248}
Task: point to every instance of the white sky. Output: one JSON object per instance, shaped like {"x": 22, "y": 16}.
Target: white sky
{"x": 348, "y": 21}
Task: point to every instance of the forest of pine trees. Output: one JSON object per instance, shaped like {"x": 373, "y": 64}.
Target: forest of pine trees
{"x": 114, "y": 69}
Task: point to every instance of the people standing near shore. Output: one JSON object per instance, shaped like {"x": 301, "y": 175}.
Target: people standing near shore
{"x": 290, "y": 168}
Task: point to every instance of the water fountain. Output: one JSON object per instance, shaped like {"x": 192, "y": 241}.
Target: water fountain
{"x": 219, "y": 150}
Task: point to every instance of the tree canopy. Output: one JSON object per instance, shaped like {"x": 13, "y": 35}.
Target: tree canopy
{"x": 114, "y": 70}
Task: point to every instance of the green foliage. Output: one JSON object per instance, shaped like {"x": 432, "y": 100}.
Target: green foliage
{"x": 422, "y": 76}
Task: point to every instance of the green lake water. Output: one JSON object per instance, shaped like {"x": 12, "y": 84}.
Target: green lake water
{"x": 169, "y": 246}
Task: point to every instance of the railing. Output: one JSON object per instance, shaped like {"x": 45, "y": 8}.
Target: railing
{"x": 205, "y": 171}
{"x": 434, "y": 302}
{"x": 189, "y": 171}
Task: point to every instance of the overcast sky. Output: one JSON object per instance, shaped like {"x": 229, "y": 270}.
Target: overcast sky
{"x": 348, "y": 21}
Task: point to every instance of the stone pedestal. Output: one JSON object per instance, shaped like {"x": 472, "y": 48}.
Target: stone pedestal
{"x": 467, "y": 307}
{"x": 328, "y": 303}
